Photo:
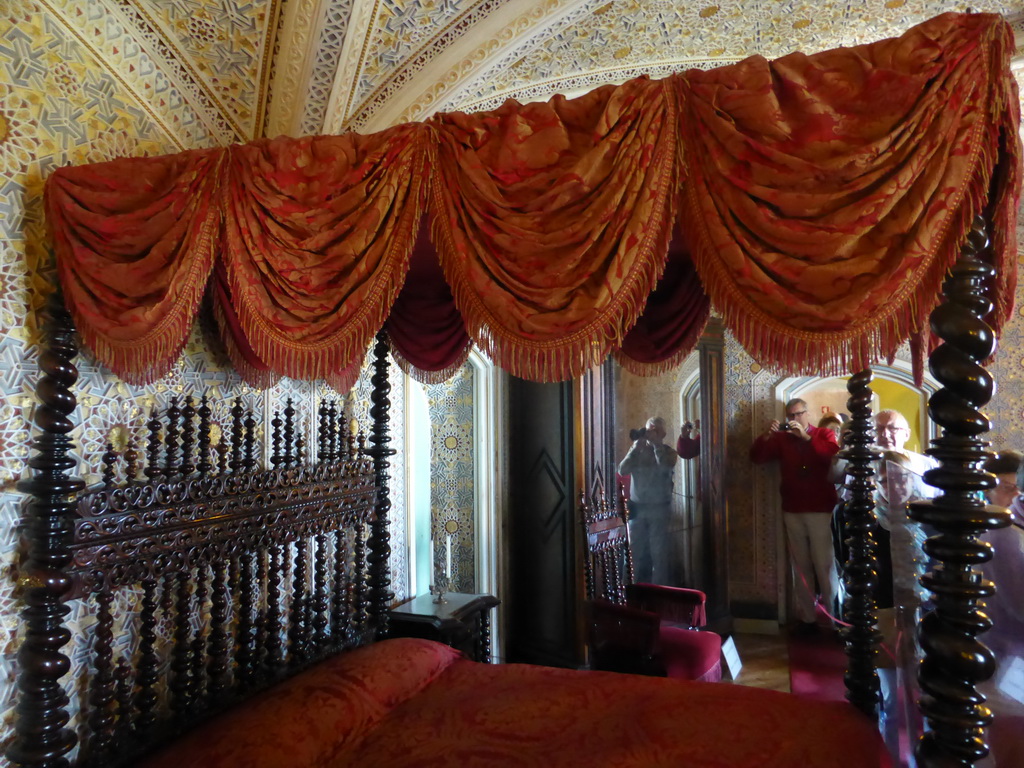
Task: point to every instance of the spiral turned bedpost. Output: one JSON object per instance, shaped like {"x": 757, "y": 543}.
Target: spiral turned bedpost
{"x": 380, "y": 548}
{"x": 41, "y": 738}
{"x": 860, "y": 576}
{"x": 955, "y": 661}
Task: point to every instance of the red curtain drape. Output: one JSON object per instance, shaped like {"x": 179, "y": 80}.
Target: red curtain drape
{"x": 317, "y": 237}
{"x": 552, "y": 222}
{"x": 428, "y": 336}
{"x": 673, "y": 319}
{"x": 822, "y": 199}
{"x": 135, "y": 241}
{"x": 829, "y": 194}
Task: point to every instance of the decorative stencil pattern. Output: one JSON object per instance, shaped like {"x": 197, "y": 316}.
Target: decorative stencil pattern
{"x": 121, "y": 41}
{"x": 223, "y": 46}
{"x": 622, "y": 39}
{"x": 405, "y": 35}
{"x": 325, "y": 65}
{"x": 452, "y": 472}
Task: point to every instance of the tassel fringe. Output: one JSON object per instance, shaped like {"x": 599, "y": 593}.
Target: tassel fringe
{"x": 793, "y": 351}
{"x": 428, "y": 377}
{"x": 568, "y": 357}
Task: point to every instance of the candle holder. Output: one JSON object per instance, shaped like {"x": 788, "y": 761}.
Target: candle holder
{"x": 438, "y": 591}
{"x": 439, "y": 582}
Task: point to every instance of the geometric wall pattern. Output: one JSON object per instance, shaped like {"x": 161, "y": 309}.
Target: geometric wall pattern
{"x": 452, "y": 469}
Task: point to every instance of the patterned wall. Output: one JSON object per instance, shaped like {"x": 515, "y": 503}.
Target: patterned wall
{"x": 57, "y": 105}
{"x": 452, "y": 484}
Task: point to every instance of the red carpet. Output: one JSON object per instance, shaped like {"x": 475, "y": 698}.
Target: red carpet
{"x": 816, "y": 667}
{"x": 817, "y": 664}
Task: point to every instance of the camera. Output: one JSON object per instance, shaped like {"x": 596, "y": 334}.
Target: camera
{"x": 636, "y": 434}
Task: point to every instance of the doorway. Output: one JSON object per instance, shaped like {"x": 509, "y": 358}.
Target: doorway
{"x": 892, "y": 388}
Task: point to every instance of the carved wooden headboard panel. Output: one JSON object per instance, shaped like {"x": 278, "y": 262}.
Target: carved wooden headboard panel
{"x": 256, "y": 571}
{"x": 209, "y": 576}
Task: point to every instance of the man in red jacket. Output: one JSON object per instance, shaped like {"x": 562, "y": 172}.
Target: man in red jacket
{"x": 805, "y": 454}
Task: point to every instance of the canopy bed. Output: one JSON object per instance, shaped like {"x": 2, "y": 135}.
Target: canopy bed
{"x": 822, "y": 201}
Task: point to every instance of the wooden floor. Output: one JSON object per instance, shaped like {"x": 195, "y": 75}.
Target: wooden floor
{"x": 765, "y": 661}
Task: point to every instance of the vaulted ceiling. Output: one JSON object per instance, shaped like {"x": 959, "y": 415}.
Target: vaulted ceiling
{"x": 218, "y": 71}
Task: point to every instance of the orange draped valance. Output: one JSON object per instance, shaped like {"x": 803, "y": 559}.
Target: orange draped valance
{"x": 821, "y": 198}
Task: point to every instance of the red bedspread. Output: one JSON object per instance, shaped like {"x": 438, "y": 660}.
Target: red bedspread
{"x": 403, "y": 703}
{"x": 520, "y": 715}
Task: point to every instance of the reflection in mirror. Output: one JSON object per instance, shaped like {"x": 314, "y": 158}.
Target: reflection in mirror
{"x": 662, "y": 487}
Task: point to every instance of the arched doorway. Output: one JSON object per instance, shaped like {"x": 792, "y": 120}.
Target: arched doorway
{"x": 892, "y": 387}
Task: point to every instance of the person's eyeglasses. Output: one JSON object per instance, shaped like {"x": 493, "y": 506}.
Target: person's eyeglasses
{"x": 795, "y": 414}
{"x": 892, "y": 429}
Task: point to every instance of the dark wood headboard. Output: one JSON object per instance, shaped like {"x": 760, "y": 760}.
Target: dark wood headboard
{"x": 229, "y": 576}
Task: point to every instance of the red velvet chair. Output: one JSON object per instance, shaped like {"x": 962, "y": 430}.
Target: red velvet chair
{"x": 646, "y": 629}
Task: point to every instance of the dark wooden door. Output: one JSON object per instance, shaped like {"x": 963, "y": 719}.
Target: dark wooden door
{"x": 597, "y": 424}
{"x": 543, "y": 609}
{"x": 711, "y": 348}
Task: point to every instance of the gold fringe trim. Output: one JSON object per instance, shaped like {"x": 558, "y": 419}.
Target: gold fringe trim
{"x": 640, "y": 368}
{"x": 325, "y": 358}
{"x": 422, "y": 375}
{"x": 571, "y": 356}
{"x": 257, "y": 378}
{"x": 830, "y": 354}
{"x": 343, "y": 381}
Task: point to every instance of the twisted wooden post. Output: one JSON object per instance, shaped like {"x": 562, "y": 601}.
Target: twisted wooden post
{"x": 41, "y": 737}
{"x": 860, "y": 576}
{"x": 380, "y": 548}
{"x": 955, "y": 661}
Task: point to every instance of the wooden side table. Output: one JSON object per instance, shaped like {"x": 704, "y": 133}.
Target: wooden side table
{"x": 463, "y": 621}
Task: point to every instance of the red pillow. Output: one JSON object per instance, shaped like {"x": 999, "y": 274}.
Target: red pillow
{"x": 308, "y": 720}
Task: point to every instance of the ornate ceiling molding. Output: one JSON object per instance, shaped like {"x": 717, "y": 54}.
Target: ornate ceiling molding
{"x": 463, "y": 58}
{"x": 421, "y": 45}
{"x": 224, "y": 46}
{"x": 139, "y": 60}
{"x": 624, "y": 39}
{"x": 299, "y": 40}
{"x": 351, "y": 62}
{"x": 333, "y": 31}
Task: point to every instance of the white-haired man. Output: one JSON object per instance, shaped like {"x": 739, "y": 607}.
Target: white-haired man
{"x": 892, "y": 430}
{"x": 650, "y": 464}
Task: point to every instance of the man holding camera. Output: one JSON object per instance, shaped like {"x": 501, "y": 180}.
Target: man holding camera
{"x": 805, "y": 453}
{"x": 650, "y": 463}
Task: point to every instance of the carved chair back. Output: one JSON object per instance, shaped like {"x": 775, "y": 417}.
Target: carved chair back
{"x": 608, "y": 563}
